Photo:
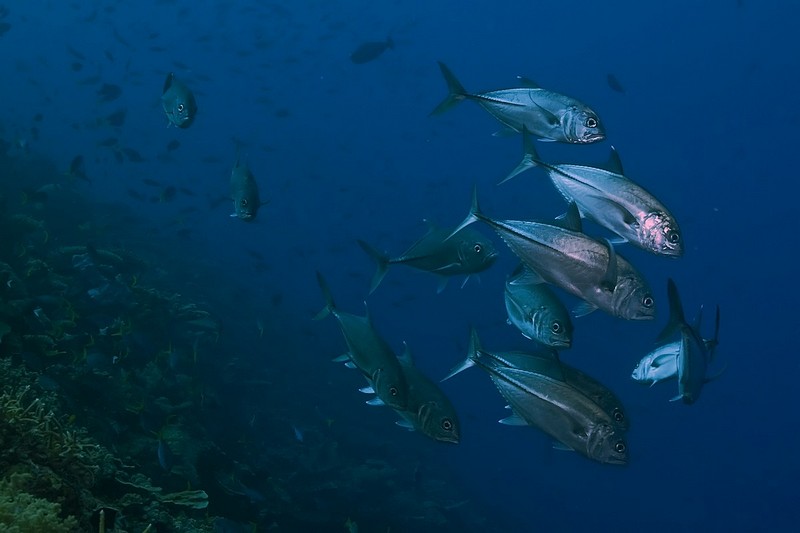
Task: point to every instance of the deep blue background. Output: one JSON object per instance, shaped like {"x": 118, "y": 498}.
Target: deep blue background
{"x": 708, "y": 123}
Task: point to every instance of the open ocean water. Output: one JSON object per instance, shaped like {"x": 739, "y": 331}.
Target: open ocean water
{"x": 196, "y": 360}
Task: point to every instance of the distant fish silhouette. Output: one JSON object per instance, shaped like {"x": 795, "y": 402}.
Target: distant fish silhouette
{"x": 614, "y": 83}
{"x": 370, "y": 51}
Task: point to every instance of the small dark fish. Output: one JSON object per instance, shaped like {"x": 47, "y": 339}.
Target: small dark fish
{"x": 151, "y": 182}
{"x": 38, "y": 117}
{"x": 173, "y": 145}
{"x": 77, "y": 168}
{"x": 116, "y": 119}
{"x": 165, "y": 456}
{"x": 614, "y": 83}
{"x": 132, "y": 155}
{"x": 109, "y": 92}
{"x": 108, "y": 142}
{"x": 136, "y": 195}
{"x": 244, "y": 192}
{"x": 109, "y": 56}
{"x": 74, "y": 53}
{"x": 178, "y": 102}
{"x": 4, "y": 27}
{"x": 168, "y": 194}
{"x": 76, "y": 66}
{"x": 187, "y": 192}
{"x": 370, "y": 51}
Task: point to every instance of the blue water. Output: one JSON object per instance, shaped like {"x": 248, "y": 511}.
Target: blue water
{"x": 344, "y": 151}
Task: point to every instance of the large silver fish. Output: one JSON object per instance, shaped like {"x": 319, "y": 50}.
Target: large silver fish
{"x": 369, "y": 353}
{"x": 579, "y": 264}
{"x": 612, "y": 200}
{"x": 658, "y": 365}
{"x": 546, "y": 361}
{"x": 694, "y": 353}
{"x": 546, "y": 114}
{"x": 464, "y": 252}
{"x": 178, "y": 102}
{"x": 244, "y": 192}
{"x": 535, "y": 309}
{"x": 429, "y": 410}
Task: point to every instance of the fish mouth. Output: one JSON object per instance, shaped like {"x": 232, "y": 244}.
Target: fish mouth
{"x": 591, "y": 138}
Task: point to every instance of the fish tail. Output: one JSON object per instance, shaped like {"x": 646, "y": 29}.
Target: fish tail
{"x": 456, "y": 91}
{"x": 676, "y": 316}
{"x": 330, "y": 306}
{"x": 472, "y": 354}
{"x": 530, "y": 158}
{"x": 474, "y": 214}
{"x": 380, "y": 259}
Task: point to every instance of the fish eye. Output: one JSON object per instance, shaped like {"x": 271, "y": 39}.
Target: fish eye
{"x": 591, "y": 122}
{"x": 477, "y": 248}
{"x": 556, "y": 327}
{"x": 180, "y": 108}
{"x": 447, "y": 425}
{"x": 393, "y": 391}
{"x": 619, "y": 447}
{"x": 648, "y": 301}
{"x": 243, "y": 203}
{"x": 618, "y": 416}
{"x": 673, "y": 237}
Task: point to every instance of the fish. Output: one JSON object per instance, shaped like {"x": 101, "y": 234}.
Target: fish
{"x": 546, "y": 361}
{"x": 77, "y": 169}
{"x": 109, "y": 92}
{"x": 583, "y": 266}
{"x": 546, "y": 114}
{"x": 611, "y": 200}
{"x": 178, "y": 102}
{"x": 694, "y": 354}
{"x": 429, "y": 410}
{"x": 659, "y": 364}
{"x": 369, "y": 353}
{"x": 370, "y": 51}
{"x": 244, "y": 192}
{"x": 441, "y": 252}
{"x": 535, "y": 309}
{"x": 615, "y": 84}
{"x": 546, "y": 401}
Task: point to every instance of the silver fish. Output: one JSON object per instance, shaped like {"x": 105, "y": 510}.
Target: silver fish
{"x": 658, "y": 365}
{"x": 558, "y": 409}
{"x": 694, "y": 353}
{"x": 244, "y": 192}
{"x": 429, "y": 410}
{"x": 546, "y": 114}
{"x": 612, "y": 200}
{"x": 368, "y": 352}
{"x": 535, "y": 309}
{"x": 178, "y": 102}
{"x": 579, "y": 264}
{"x": 546, "y": 361}
{"x": 441, "y": 252}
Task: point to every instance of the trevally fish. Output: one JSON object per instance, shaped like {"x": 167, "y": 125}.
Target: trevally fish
{"x": 546, "y": 114}
{"x": 441, "y": 252}
{"x": 535, "y": 309}
{"x": 694, "y": 353}
{"x": 368, "y": 352}
{"x": 244, "y": 192}
{"x": 579, "y": 264}
{"x": 178, "y": 102}
{"x": 557, "y": 408}
{"x": 370, "y": 51}
{"x": 612, "y": 200}
{"x": 429, "y": 410}
{"x": 546, "y": 361}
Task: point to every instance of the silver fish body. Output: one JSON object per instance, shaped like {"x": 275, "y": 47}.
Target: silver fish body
{"x": 178, "y": 102}
{"x": 559, "y": 410}
{"x": 658, "y": 365}
{"x": 613, "y": 201}
{"x": 244, "y": 193}
{"x": 535, "y": 309}
{"x": 544, "y": 113}
{"x": 429, "y": 410}
{"x": 440, "y": 252}
{"x": 369, "y": 352}
{"x": 579, "y": 264}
